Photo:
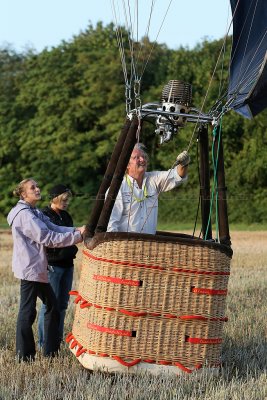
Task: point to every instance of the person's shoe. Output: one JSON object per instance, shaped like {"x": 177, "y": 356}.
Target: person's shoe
{"x": 51, "y": 354}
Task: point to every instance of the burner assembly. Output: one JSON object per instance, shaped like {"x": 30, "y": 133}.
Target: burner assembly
{"x": 176, "y": 101}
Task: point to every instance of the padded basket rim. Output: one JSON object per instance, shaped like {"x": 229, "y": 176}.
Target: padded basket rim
{"x": 161, "y": 237}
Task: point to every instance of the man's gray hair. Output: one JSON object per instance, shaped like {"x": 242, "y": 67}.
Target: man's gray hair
{"x": 141, "y": 147}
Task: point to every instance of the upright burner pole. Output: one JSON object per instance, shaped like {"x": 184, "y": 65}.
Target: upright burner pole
{"x": 100, "y": 198}
{"x": 224, "y": 234}
{"x": 118, "y": 176}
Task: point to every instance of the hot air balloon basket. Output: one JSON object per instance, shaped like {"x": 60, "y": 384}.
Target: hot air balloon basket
{"x": 150, "y": 302}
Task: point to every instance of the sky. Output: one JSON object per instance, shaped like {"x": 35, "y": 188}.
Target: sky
{"x": 40, "y": 24}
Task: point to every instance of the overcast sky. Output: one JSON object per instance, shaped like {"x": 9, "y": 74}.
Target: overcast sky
{"x": 46, "y": 23}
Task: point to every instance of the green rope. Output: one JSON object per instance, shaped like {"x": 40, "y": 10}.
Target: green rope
{"x": 215, "y": 182}
{"x": 215, "y": 166}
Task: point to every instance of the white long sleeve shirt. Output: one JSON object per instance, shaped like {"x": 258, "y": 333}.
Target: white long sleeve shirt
{"x": 135, "y": 209}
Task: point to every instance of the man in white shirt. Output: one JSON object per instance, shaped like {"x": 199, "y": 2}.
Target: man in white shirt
{"x": 136, "y": 205}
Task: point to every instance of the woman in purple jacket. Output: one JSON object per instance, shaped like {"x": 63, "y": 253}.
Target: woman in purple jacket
{"x": 32, "y": 232}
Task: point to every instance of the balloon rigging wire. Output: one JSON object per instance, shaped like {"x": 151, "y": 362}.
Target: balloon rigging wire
{"x": 155, "y": 41}
{"x": 141, "y": 48}
{"x": 129, "y": 27}
{"x": 134, "y": 63}
{"x": 119, "y": 36}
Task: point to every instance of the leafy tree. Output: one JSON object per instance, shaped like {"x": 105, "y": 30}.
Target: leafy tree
{"x": 61, "y": 112}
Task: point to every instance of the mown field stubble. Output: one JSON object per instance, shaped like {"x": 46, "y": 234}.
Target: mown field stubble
{"x": 244, "y": 359}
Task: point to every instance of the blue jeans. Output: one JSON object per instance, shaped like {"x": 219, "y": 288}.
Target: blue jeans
{"x": 60, "y": 279}
{"x": 25, "y": 346}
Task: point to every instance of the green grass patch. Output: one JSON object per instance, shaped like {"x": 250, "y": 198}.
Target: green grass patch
{"x": 244, "y": 353}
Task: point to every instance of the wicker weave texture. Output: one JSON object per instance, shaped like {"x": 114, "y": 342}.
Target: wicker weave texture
{"x": 157, "y": 285}
{"x": 166, "y": 254}
{"x": 155, "y": 339}
{"x": 171, "y": 278}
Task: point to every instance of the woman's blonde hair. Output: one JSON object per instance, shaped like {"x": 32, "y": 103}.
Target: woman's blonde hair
{"x": 63, "y": 196}
{"x": 17, "y": 192}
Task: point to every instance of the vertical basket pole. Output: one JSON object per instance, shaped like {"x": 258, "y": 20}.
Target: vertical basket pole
{"x": 204, "y": 180}
{"x": 118, "y": 176}
{"x": 221, "y": 188}
{"x": 100, "y": 198}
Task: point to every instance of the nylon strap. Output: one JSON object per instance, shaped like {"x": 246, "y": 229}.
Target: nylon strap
{"x": 129, "y": 183}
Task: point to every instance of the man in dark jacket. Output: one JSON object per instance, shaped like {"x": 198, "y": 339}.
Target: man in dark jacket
{"x": 60, "y": 260}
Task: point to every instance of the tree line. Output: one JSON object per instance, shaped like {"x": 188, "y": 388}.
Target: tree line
{"x": 62, "y": 110}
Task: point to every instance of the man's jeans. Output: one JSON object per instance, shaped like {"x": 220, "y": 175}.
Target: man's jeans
{"x": 25, "y": 346}
{"x": 60, "y": 279}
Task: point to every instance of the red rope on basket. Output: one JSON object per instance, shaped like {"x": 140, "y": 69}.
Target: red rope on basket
{"x": 89, "y": 255}
{"x": 163, "y": 362}
{"x": 111, "y": 331}
{"x": 119, "y": 281}
{"x": 158, "y": 267}
{"x": 82, "y": 350}
{"x": 78, "y": 298}
{"x": 170, "y": 316}
{"x": 185, "y": 369}
{"x": 85, "y": 303}
{"x": 75, "y": 343}
{"x": 125, "y": 363}
{"x": 203, "y": 341}
{"x": 80, "y": 347}
{"x": 211, "y": 292}
{"x": 190, "y": 271}
{"x": 73, "y": 292}
{"x": 69, "y": 337}
{"x": 133, "y": 314}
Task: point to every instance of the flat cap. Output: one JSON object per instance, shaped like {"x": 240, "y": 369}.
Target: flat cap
{"x": 57, "y": 190}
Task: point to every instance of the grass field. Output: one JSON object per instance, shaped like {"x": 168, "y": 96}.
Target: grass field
{"x": 242, "y": 376}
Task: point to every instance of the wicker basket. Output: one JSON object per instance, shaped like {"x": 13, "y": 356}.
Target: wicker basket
{"x": 156, "y": 300}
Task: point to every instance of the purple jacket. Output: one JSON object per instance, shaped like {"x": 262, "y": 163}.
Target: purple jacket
{"x": 32, "y": 231}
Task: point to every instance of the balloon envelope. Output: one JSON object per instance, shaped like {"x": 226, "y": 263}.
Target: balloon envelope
{"x": 248, "y": 68}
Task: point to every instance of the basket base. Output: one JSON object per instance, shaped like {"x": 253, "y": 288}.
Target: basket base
{"x": 109, "y": 365}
